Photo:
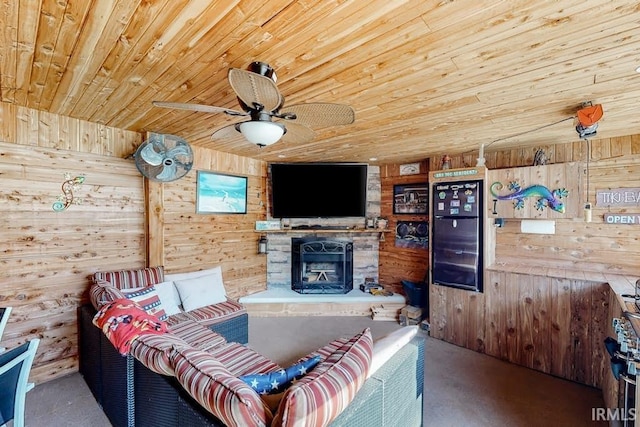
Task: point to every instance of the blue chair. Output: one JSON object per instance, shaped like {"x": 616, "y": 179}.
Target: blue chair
{"x": 5, "y": 312}
{"x": 15, "y": 365}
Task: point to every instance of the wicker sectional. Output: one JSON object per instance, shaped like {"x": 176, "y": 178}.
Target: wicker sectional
{"x": 191, "y": 375}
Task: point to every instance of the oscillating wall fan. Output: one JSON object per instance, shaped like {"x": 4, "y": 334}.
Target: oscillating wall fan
{"x": 262, "y": 102}
{"x": 164, "y": 158}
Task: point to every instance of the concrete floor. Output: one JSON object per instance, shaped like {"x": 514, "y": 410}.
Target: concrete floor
{"x": 462, "y": 387}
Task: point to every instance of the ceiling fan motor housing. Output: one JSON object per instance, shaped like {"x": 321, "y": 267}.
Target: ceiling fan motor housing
{"x": 263, "y": 69}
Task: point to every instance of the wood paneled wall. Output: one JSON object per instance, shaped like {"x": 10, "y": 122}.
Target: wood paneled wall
{"x": 46, "y": 256}
{"x": 396, "y": 263}
{"x": 593, "y": 246}
{"x": 193, "y": 241}
{"x": 555, "y": 318}
{"x": 553, "y": 325}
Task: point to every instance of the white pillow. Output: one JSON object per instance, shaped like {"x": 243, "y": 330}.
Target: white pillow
{"x": 385, "y": 347}
{"x": 193, "y": 274}
{"x": 169, "y": 297}
{"x": 201, "y": 291}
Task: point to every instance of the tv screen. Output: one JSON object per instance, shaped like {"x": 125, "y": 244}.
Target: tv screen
{"x": 318, "y": 190}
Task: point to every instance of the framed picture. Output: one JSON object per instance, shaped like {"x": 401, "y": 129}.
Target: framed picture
{"x": 411, "y": 199}
{"x": 412, "y": 234}
{"x": 221, "y": 193}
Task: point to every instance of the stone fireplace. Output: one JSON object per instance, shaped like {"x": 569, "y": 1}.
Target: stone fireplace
{"x": 321, "y": 265}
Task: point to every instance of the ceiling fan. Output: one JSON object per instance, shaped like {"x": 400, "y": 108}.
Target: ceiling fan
{"x": 263, "y": 103}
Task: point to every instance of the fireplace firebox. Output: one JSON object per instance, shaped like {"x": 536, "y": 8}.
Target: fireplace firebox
{"x": 321, "y": 265}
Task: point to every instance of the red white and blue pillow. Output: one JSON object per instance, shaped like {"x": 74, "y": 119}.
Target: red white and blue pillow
{"x": 278, "y": 381}
{"x": 148, "y": 299}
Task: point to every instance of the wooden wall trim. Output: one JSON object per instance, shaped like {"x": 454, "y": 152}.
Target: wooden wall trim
{"x": 155, "y": 223}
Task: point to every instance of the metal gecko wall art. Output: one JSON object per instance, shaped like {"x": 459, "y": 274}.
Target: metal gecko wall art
{"x": 67, "y": 198}
{"x": 545, "y": 198}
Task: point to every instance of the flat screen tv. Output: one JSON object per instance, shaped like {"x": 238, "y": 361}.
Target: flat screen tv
{"x": 318, "y": 190}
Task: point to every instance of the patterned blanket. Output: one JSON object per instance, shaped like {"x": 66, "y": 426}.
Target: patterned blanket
{"x": 123, "y": 320}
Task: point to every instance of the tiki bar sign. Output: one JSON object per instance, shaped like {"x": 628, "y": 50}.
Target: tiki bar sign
{"x": 618, "y": 197}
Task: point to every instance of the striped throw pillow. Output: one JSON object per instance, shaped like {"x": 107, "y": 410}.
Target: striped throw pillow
{"x": 227, "y": 397}
{"x": 320, "y": 396}
{"x": 148, "y": 299}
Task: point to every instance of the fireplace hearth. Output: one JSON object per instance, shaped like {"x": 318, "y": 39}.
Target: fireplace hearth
{"x": 321, "y": 265}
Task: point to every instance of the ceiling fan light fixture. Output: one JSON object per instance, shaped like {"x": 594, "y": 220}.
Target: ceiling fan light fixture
{"x": 261, "y": 133}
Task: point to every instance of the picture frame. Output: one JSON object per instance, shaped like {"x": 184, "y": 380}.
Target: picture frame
{"x": 220, "y": 193}
{"x": 412, "y": 234}
{"x": 412, "y": 199}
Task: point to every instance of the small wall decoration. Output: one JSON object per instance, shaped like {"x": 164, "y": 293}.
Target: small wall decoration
{"x": 410, "y": 169}
{"x": 411, "y": 199}
{"x": 221, "y": 193}
{"x": 412, "y": 234}
{"x": 546, "y": 197}
{"x": 67, "y": 198}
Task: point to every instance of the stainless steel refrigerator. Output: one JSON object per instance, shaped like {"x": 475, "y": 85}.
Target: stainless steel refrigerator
{"x": 456, "y": 245}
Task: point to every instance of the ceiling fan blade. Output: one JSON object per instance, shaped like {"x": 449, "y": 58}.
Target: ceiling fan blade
{"x": 320, "y": 115}
{"x": 198, "y": 107}
{"x": 227, "y": 133}
{"x": 297, "y": 133}
{"x": 253, "y": 88}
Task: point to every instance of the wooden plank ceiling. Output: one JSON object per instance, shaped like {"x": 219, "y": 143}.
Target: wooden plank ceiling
{"x": 424, "y": 77}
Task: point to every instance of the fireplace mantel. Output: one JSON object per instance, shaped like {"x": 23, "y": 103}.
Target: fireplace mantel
{"x": 325, "y": 230}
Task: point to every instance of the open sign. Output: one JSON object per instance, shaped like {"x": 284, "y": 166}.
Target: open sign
{"x": 610, "y": 218}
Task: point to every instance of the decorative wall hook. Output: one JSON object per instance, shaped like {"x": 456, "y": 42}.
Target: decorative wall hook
{"x": 67, "y": 198}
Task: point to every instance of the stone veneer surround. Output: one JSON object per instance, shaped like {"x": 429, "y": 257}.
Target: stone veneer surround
{"x": 365, "y": 245}
{"x": 365, "y": 256}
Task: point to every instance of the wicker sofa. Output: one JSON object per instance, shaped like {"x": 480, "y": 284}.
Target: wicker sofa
{"x": 155, "y": 384}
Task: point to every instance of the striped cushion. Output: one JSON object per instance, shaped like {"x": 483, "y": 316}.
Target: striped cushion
{"x": 326, "y": 351}
{"x": 178, "y": 318}
{"x": 148, "y": 299}
{"x": 197, "y": 335}
{"x": 218, "y": 391}
{"x": 241, "y": 360}
{"x": 102, "y": 293}
{"x": 216, "y": 313}
{"x": 128, "y": 279}
{"x": 154, "y": 351}
{"x": 319, "y": 397}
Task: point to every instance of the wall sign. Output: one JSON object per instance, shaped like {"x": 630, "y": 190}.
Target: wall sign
{"x": 410, "y": 169}
{"x": 465, "y": 172}
{"x": 618, "y": 197}
{"x": 633, "y": 219}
